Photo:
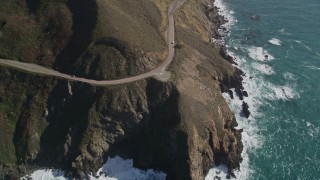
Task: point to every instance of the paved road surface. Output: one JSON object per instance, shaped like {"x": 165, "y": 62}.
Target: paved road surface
{"x": 160, "y": 72}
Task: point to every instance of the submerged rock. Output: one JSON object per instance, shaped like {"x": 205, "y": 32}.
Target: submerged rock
{"x": 230, "y": 93}
{"x": 245, "y": 109}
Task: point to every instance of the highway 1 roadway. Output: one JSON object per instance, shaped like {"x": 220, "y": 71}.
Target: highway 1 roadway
{"x": 159, "y": 72}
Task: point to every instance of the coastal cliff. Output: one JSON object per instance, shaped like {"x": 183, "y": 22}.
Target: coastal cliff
{"x": 180, "y": 127}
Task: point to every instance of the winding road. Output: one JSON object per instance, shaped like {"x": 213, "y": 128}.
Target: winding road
{"x": 159, "y": 72}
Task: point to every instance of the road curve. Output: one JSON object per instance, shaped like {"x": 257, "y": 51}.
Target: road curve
{"x": 161, "y": 69}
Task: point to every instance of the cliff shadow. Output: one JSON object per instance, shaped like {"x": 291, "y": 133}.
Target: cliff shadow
{"x": 161, "y": 144}
{"x": 84, "y": 21}
{"x": 67, "y": 120}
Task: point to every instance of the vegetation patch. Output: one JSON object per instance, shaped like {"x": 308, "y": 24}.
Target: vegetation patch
{"x": 15, "y": 105}
{"x": 34, "y": 33}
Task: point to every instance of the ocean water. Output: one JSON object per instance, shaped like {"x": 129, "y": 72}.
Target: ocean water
{"x": 282, "y": 137}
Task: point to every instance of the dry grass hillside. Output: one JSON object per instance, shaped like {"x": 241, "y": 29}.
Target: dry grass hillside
{"x": 163, "y": 8}
{"x": 195, "y": 21}
{"x": 136, "y": 22}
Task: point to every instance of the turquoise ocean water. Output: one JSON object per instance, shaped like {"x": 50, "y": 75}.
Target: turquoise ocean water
{"x": 282, "y": 137}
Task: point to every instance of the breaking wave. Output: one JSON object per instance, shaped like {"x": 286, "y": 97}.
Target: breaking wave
{"x": 115, "y": 168}
{"x": 275, "y": 41}
{"x": 260, "y": 54}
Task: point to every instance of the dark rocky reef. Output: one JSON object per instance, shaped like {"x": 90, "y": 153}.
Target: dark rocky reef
{"x": 245, "y": 109}
{"x": 226, "y": 56}
{"x": 234, "y": 81}
{"x": 217, "y": 20}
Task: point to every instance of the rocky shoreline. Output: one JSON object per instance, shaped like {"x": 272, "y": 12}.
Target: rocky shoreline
{"x": 235, "y": 82}
{"x": 219, "y": 32}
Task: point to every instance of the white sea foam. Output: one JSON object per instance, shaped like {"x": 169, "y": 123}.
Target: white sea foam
{"x": 258, "y": 90}
{"x": 250, "y": 137}
{"x": 218, "y": 172}
{"x": 285, "y": 92}
{"x": 115, "y": 168}
{"x": 263, "y": 68}
{"x": 313, "y": 67}
{"x": 283, "y": 31}
{"x": 304, "y": 45}
{"x": 289, "y": 76}
{"x": 275, "y": 41}
{"x": 308, "y": 124}
{"x": 314, "y": 131}
{"x": 227, "y": 14}
{"x": 47, "y": 174}
{"x": 225, "y": 11}
{"x": 260, "y": 54}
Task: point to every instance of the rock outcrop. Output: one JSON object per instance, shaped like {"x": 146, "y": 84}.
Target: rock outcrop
{"x": 245, "y": 109}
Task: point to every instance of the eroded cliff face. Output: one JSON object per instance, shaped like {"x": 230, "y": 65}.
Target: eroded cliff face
{"x": 180, "y": 127}
{"x": 206, "y": 117}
